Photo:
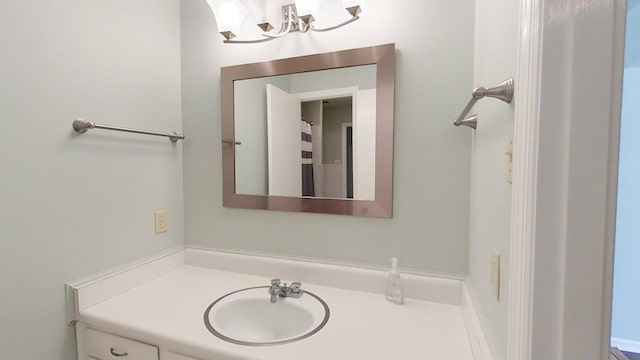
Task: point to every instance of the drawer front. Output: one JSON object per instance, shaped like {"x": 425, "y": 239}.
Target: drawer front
{"x": 175, "y": 356}
{"x": 105, "y": 346}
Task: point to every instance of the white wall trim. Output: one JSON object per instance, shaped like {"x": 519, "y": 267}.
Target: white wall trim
{"x": 327, "y": 94}
{"x": 565, "y": 160}
{"x": 619, "y": 27}
{"x": 595, "y": 60}
{"x": 525, "y": 162}
{"x": 475, "y": 331}
{"x": 626, "y": 345}
{"x": 619, "y": 30}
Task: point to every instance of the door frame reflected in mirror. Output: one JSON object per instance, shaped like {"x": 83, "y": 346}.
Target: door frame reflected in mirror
{"x": 383, "y": 56}
{"x": 336, "y": 185}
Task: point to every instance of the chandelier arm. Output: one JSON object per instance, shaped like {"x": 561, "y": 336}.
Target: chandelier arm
{"x": 283, "y": 28}
{"x": 335, "y": 26}
{"x": 282, "y": 33}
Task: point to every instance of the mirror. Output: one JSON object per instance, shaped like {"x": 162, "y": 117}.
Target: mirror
{"x": 311, "y": 133}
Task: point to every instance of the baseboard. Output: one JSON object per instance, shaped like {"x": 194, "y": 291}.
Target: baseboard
{"x": 480, "y": 345}
{"x": 626, "y": 345}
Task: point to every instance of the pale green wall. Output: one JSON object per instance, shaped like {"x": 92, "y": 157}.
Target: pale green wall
{"x": 632, "y": 37}
{"x": 73, "y": 205}
{"x": 332, "y": 120}
{"x": 429, "y": 230}
{"x": 496, "y": 47}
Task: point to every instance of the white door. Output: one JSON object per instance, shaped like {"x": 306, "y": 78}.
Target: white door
{"x": 284, "y": 145}
{"x": 364, "y": 145}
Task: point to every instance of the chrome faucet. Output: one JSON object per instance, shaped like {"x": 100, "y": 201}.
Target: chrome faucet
{"x": 274, "y": 290}
{"x": 284, "y": 291}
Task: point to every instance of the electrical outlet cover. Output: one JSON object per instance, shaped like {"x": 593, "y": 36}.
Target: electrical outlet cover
{"x": 161, "y": 221}
{"x": 495, "y": 273}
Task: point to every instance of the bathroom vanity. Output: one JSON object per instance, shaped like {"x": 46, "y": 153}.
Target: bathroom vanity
{"x": 156, "y": 310}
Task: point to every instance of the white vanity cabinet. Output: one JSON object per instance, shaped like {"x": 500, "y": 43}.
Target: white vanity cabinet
{"x": 100, "y": 345}
{"x": 174, "y": 356}
{"x": 94, "y": 344}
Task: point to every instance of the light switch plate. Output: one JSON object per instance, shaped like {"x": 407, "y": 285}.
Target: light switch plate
{"x": 161, "y": 218}
{"x": 495, "y": 273}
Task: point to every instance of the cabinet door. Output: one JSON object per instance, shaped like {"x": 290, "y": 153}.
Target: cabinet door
{"x": 174, "y": 356}
{"x": 100, "y": 345}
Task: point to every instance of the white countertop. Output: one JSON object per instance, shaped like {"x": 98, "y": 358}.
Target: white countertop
{"x": 169, "y": 311}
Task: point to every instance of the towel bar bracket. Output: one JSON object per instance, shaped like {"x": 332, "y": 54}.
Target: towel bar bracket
{"x": 502, "y": 91}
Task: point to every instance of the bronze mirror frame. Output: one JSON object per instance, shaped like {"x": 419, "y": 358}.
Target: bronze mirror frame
{"x": 383, "y": 56}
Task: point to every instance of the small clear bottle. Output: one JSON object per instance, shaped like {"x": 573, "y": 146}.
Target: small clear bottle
{"x": 394, "y": 286}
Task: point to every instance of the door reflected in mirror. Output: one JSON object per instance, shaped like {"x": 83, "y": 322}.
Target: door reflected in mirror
{"x": 312, "y": 133}
{"x": 307, "y": 135}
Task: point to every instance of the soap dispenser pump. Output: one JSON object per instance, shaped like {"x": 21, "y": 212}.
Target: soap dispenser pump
{"x": 394, "y": 286}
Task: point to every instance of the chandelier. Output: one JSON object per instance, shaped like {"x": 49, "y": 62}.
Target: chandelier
{"x": 298, "y": 16}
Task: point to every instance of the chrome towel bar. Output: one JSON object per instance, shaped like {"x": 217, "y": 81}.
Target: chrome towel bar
{"x": 81, "y": 127}
{"x": 502, "y": 91}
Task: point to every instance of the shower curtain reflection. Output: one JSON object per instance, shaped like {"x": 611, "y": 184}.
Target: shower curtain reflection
{"x": 308, "y": 187}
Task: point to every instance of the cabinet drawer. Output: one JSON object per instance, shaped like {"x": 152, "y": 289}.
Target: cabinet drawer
{"x": 105, "y": 346}
{"x": 175, "y": 356}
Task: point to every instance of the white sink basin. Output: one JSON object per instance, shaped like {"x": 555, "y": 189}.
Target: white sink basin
{"x": 248, "y": 317}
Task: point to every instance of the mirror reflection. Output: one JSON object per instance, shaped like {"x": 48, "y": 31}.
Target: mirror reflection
{"x": 310, "y": 134}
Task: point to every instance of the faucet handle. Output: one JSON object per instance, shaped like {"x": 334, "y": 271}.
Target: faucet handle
{"x": 275, "y": 282}
{"x": 295, "y": 286}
